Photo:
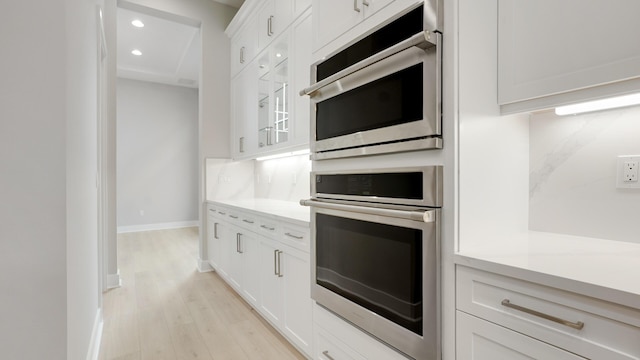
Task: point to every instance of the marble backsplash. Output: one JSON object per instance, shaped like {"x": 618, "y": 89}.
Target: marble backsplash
{"x": 572, "y": 179}
{"x": 280, "y": 179}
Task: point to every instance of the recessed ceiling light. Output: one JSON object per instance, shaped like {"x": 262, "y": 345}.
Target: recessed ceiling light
{"x": 136, "y": 52}
{"x": 137, "y": 23}
{"x": 278, "y": 55}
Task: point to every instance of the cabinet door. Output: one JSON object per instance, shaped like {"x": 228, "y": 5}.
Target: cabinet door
{"x": 223, "y": 258}
{"x": 299, "y": 131}
{"x": 243, "y": 112}
{"x": 235, "y": 259}
{"x": 213, "y": 242}
{"x": 272, "y": 306}
{"x": 481, "y": 340}
{"x": 273, "y": 18}
{"x": 244, "y": 46}
{"x": 331, "y": 18}
{"x": 249, "y": 252}
{"x": 296, "y": 273}
{"x": 548, "y": 47}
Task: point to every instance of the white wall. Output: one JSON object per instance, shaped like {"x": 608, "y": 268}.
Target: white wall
{"x": 83, "y": 293}
{"x": 33, "y": 181}
{"x": 48, "y": 247}
{"x": 573, "y": 174}
{"x": 157, "y": 163}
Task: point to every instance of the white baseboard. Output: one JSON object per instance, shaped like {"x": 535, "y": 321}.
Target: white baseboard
{"x": 159, "y": 226}
{"x": 204, "y": 266}
{"x": 114, "y": 280}
{"x": 96, "y": 337}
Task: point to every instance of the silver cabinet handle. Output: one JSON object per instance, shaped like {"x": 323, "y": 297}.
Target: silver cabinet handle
{"x": 222, "y": 213}
{"x": 365, "y": 3}
{"x": 326, "y": 354}
{"x": 215, "y": 231}
{"x": 575, "y": 325}
{"x": 294, "y": 236}
{"x": 239, "y": 243}
{"x": 270, "y": 26}
{"x": 268, "y": 228}
{"x": 212, "y": 210}
{"x": 247, "y": 221}
{"x": 275, "y": 262}
{"x": 355, "y": 6}
{"x": 242, "y": 55}
{"x": 269, "y": 135}
{"x": 233, "y": 216}
{"x": 279, "y": 263}
{"x": 241, "y": 144}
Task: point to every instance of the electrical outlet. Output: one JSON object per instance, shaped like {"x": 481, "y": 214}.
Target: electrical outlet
{"x": 630, "y": 171}
{"x": 627, "y": 171}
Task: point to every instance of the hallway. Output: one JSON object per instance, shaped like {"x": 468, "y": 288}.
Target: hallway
{"x": 166, "y": 309}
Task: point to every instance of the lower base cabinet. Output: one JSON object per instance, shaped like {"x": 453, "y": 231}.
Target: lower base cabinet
{"x": 479, "y": 339}
{"x": 258, "y": 259}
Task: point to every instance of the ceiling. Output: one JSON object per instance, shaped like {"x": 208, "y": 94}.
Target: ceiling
{"x": 170, "y": 50}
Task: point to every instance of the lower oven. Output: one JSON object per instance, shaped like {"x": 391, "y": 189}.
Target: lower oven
{"x": 377, "y": 264}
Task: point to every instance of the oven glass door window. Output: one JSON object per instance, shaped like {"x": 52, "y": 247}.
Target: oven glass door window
{"x": 392, "y": 100}
{"x": 377, "y": 266}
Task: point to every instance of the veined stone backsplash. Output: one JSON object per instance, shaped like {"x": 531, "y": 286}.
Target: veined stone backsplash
{"x": 281, "y": 179}
{"x": 227, "y": 179}
{"x": 572, "y": 179}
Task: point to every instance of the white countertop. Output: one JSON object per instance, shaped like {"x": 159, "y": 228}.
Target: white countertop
{"x": 609, "y": 270}
{"x": 286, "y": 210}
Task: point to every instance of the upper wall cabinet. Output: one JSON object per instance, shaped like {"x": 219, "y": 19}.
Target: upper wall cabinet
{"x": 273, "y": 18}
{"x": 244, "y": 47}
{"x": 554, "y": 52}
{"x": 338, "y": 16}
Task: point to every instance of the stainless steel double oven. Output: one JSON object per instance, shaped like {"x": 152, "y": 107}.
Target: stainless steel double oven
{"x": 376, "y": 232}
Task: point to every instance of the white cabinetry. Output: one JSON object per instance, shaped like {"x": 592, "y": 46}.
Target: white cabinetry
{"x": 534, "y": 318}
{"x": 267, "y": 262}
{"x": 338, "y": 340}
{"x": 547, "y": 48}
{"x": 243, "y": 113}
{"x": 266, "y": 114}
{"x": 338, "y": 16}
{"x": 273, "y": 18}
{"x": 244, "y": 47}
{"x": 481, "y": 340}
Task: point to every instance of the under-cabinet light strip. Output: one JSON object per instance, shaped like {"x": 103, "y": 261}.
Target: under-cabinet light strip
{"x": 603, "y": 104}
{"x": 283, "y": 155}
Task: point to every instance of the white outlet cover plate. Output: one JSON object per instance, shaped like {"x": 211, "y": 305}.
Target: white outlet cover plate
{"x": 620, "y": 183}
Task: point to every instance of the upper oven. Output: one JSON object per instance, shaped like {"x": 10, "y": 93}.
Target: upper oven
{"x": 380, "y": 94}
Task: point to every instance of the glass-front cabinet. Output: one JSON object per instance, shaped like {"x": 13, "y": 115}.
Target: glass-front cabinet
{"x": 274, "y": 95}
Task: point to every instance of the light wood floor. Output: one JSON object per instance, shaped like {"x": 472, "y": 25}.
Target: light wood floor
{"x": 166, "y": 309}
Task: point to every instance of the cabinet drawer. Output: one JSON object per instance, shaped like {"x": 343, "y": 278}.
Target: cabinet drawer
{"x": 329, "y": 348}
{"x": 297, "y": 237}
{"x": 268, "y": 227}
{"x": 592, "y": 328}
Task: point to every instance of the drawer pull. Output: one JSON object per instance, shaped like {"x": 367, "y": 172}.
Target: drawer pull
{"x": 576, "y": 325}
{"x": 294, "y": 236}
{"x": 247, "y": 221}
{"x": 233, "y": 216}
{"x": 326, "y": 354}
{"x": 222, "y": 213}
{"x": 267, "y": 227}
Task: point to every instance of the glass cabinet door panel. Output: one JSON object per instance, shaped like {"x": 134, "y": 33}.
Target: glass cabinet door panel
{"x": 281, "y": 91}
{"x": 264, "y": 92}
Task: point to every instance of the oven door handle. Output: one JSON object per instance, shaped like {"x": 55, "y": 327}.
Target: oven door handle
{"x": 427, "y": 216}
{"x": 423, "y": 40}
